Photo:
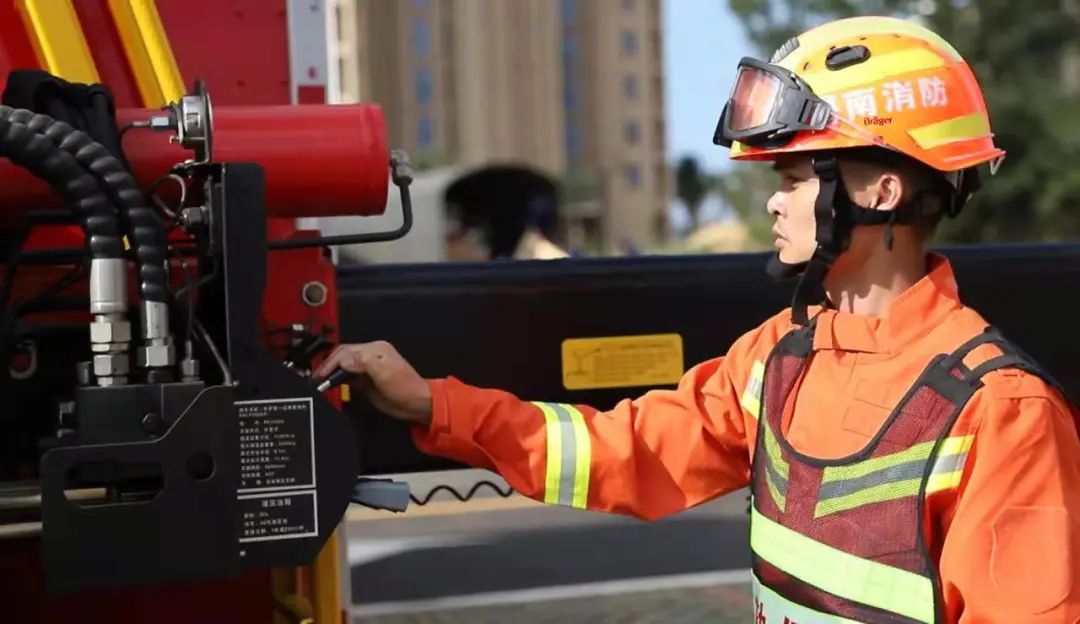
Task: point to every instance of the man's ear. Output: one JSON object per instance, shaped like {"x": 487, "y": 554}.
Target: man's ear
{"x": 889, "y": 191}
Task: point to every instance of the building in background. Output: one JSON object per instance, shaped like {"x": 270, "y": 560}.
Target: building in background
{"x": 615, "y": 136}
{"x": 573, "y": 88}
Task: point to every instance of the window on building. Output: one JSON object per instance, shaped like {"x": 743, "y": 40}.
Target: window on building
{"x": 568, "y": 11}
{"x": 632, "y": 132}
{"x": 630, "y": 86}
{"x": 629, "y": 42}
{"x": 425, "y": 132}
{"x": 423, "y": 85}
{"x": 573, "y": 139}
{"x": 570, "y": 51}
{"x": 570, "y": 97}
{"x": 421, "y": 37}
{"x": 632, "y": 171}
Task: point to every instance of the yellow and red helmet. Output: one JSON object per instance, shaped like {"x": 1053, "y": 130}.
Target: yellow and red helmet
{"x": 861, "y": 82}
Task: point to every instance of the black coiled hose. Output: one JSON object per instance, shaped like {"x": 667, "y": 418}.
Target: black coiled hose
{"x": 147, "y": 230}
{"x": 27, "y": 147}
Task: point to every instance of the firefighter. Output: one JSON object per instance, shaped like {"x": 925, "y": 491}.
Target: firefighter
{"x": 907, "y": 463}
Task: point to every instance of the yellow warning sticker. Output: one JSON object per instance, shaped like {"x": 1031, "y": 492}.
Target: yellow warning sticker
{"x": 622, "y": 361}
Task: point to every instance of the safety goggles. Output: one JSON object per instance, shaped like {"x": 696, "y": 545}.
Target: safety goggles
{"x": 768, "y": 105}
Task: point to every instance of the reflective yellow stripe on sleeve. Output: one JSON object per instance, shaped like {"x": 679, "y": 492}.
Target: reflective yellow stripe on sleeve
{"x": 949, "y": 465}
{"x": 751, "y": 396}
{"x": 569, "y": 455}
{"x": 841, "y": 574}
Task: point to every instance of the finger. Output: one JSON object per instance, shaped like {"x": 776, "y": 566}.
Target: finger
{"x": 337, "y": 358}
{"x": 327, "y": 364}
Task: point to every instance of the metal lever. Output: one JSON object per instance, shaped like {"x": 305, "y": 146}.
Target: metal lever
{"x": 385, "y": 494}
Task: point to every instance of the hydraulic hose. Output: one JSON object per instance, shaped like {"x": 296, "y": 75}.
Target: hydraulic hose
{"x": 22, "y": 142}
{"x": 30, "y": 149}
{"x": 146, "y": 229}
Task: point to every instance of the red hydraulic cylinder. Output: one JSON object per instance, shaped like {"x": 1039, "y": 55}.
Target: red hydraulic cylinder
{"x": 320, "y": 160}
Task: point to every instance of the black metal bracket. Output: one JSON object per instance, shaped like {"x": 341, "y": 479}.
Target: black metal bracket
{"x": 252, "y": 468}
{"x": 402, "y": 175}
{"x": 318, "y": 471}
{"x": 185, "y": 531}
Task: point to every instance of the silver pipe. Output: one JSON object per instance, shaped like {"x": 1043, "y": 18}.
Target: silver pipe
{"x": 20, "y": 529}
{"x": 108, "y": 286}
{"x": 155, "y": 320}
{"x": 33, "y": 501}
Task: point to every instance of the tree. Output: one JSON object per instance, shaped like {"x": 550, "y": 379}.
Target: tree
{"x": 746, "y": 188}
{"x": 1026, "y": 57}
{"x": 690, "y": 186}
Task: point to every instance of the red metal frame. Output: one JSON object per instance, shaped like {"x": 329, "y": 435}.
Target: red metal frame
{"x": 15, "y": 49}
{"x": 318, "y": 161}
{"x": 239, "y": 47}
{"x": 108, "y": 52}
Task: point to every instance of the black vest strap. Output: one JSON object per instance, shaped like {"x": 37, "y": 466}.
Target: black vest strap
{"x": 990, "y": 335}
{"x": 1002, "y": 361}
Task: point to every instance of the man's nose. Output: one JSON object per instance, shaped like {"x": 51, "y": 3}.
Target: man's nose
{"x": 774, "y": 205}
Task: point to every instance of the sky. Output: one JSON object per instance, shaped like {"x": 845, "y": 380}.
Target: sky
{"x": 703, "y": 43}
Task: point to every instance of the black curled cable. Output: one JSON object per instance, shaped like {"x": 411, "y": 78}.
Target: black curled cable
{"x": 147, "y": 229}
{"x": 466, "y": 498}
{"x": 30, "y": 149}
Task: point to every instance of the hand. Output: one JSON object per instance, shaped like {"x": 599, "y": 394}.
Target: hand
{"x": 385, "y": 378}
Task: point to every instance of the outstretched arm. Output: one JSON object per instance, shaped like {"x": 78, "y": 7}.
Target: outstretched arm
{"x": 653, "y": 456}
{"x": 648, "y": 457}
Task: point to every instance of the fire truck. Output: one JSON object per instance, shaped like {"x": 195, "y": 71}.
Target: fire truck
{"x": 164, "y": 454}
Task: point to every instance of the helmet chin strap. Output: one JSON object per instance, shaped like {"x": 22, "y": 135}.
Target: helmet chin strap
{"x": 836, "y": 215}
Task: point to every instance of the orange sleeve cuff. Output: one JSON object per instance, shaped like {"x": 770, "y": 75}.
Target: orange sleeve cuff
{"x": 428, "y": 438}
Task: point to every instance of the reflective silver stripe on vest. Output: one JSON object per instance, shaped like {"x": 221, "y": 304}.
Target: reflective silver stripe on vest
{"x": 892, "y": 474}
{"x": 778, "y": 480}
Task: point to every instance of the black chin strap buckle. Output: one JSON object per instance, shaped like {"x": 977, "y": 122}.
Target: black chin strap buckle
{"x": 826, "y": 169}
{"x": 826, "y": 255}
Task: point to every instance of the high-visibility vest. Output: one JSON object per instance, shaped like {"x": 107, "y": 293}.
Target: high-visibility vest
{"x": 842, "y": 540}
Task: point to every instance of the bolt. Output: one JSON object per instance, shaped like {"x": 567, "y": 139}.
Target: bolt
{"x": 151, "y": 423}
{"x": 84, "y": 372}
{"x": 189, "y": 369}
{"x": 314, "y": 294}
{"x": 65, "y": 415}
{"x": 190, "y": 217}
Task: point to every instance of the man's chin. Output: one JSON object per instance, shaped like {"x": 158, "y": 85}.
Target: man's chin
{"x": 788, "y": 256}
{"x": 779, "y": 268}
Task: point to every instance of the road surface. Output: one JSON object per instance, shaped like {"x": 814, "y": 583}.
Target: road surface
{"x": 501, "y": 560}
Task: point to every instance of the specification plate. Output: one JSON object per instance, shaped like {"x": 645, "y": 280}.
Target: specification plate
{"x": 277, "y": 469}
{"x": 288, "y": 515}
{"x": 277, "y": 441}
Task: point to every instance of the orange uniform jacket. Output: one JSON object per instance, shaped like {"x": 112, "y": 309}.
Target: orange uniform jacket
{"x": 1006, "y": 533}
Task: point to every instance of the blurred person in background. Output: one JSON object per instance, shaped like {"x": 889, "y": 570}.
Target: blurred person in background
{"x": 502, "y": 213}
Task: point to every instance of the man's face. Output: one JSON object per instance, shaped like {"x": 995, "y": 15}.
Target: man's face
{"x": 792, "y": 208}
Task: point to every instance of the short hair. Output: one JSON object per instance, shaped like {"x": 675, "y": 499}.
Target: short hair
{"x": 925, "y": 184}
